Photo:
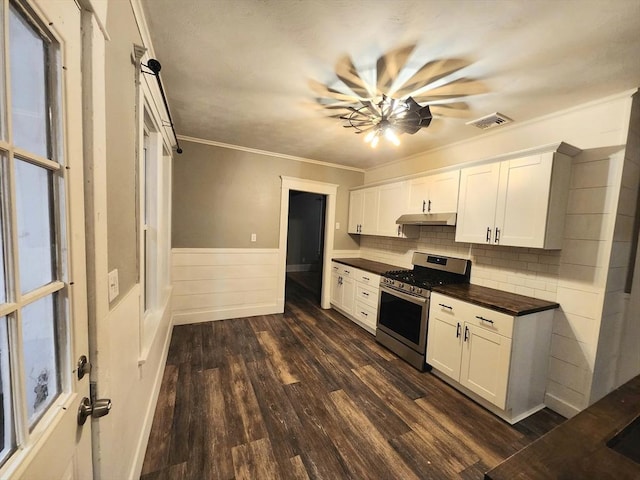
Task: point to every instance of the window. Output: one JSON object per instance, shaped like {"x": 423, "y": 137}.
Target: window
{"x": 33, "y": 296}
{"x": 154, "y": 215}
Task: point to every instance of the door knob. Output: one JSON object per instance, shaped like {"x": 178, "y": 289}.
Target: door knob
{"x": 97, "y": 409}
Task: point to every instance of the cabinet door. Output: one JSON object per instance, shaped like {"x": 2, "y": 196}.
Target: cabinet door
{"x": 392, "y": 202}
{"x": 477, "y": 203}
{"x": 444, "y": 341}
{"x": 336, "y": 291}
{"x": 370, "y": 211}
{"x": 348, "y": 288}
{"x": 443, "y": 192}
{"x": 485, "y": 364}
{"x": 419, "y": 195}
{"x": 356, "y": 204}
{"x": 523, "y": 201}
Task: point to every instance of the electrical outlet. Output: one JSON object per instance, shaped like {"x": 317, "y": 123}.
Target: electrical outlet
{"x": 253, "y": 237}
{"x": 337, "y": 225}
{"x": 114, "y": 289}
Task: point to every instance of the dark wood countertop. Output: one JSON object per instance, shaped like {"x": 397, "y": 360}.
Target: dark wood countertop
{"x": 368, "y": 265}
{"x": 506, "y": 302}
{"x": 577, "y": 448}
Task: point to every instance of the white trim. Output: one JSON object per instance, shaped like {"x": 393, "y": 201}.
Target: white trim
{"x": 210, "y": 315}
{"x": 311, "y": 186}
{"x": 283, "y": 156}
{"x": 143, "y": 28}
{"x": 143, "y": 441}
{"x": 560, "y": 406}
{"x": 208, "y": 251}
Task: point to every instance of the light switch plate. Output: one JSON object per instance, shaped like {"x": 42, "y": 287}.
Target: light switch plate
{"x": 337, "y": 225}
{"x": 114, "y": 289}
{"x": 254, "y": 237}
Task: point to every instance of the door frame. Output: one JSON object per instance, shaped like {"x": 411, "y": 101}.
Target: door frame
{"x": 330, "y": 190}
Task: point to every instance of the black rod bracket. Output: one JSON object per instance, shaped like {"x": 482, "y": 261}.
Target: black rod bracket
{"x": 154, "y": 66}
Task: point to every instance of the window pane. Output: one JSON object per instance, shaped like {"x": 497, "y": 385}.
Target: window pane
{"x": 7, "y": 435}
{"x": 28, "y": 86}
{"x": 40, "y": 356}
{"x": 35, "y": 232}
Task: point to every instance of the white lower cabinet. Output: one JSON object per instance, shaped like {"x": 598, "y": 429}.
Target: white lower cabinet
{"x": 354, "y": 293}
{"x": 497, "y": 359}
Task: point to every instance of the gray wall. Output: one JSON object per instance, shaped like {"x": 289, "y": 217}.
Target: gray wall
{"x": 121, "y": 143}
{"x": 221, "y": 196}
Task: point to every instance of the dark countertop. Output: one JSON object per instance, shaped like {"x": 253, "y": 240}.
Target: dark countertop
{"x": 506, "y": 302}
{"x": 577, "y": 448}
{"x": 368, "y": 265}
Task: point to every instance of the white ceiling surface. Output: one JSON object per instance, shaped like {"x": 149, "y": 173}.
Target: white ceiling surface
{"x": 239, "y": 71}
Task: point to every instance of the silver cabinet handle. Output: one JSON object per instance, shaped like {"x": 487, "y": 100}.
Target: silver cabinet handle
{"x": 445, "y": 306}
{"x": 466, "y": 333}
{"x": 424, "y": 205}
{"x": 364, "y": 313}
{"x": 497, "y": 239}
{"x": 429, "y": 207}
{"x": 458, "y": 330}
{"x": 488, "y": 234}
{"x": 365, "y": 294}
{"x": 366, "y": 278}
{"x": 399, "y": 230}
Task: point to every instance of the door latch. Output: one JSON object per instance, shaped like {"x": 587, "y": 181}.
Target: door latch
{"x": 84, "y": 367}
{"x": 97, "y": 409}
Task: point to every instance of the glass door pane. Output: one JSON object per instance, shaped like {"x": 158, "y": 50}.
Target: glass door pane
{"x": 35, "y": 230}
{"x": 28, "y": 86}
{"x": 40, "y": 345}
{"x": 7, "y": 432}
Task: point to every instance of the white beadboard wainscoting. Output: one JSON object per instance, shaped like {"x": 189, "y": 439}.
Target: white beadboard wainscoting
{"x": 220, "y": 283}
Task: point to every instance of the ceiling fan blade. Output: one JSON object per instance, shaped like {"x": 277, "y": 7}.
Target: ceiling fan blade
{"x": 389, "y": 66}
{"x": 371, "y": 107}
{"x": 462, "y": 87}
{"x": 325, "y": 91}
{"x": 454, "y": 110}
{"x": 429, "y": 73}
{"x": 347, "y": 72}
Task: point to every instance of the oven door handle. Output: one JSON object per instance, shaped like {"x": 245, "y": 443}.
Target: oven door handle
{"x": 404, "y": 296}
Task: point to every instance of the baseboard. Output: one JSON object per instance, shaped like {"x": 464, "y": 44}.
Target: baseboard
{"x": 143, "y": 441}
{"x": 199, "y": 316}
{"x": 560, "y": 406}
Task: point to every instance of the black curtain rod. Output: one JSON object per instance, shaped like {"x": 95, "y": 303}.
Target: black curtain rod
{"x": 154, "y": 66}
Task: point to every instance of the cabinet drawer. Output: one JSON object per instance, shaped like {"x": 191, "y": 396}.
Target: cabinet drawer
{"x": 491, "y": 320}
{"x": 347, "y": 271}
{"x": 367, "y": 295}
{"x": 367, "y": 278}
{"x": 366, "y": 314}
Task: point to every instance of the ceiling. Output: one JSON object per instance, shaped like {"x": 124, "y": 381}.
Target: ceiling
{"x": 248, "y": 72}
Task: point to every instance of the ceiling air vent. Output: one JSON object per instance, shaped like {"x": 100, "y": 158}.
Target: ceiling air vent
{"x": 493, "y": 120}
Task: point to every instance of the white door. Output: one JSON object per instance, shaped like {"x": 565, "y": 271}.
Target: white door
{"x": 485, "y": 364}
{"x": 356, "y": 204}
{"x": 444, "y": 343}
{"x": 392, "y": 202}
{"x": 443, "y": 192}
{"x": 43, "y": 300}
{"x": 477, "y": 203}
{"x": 521, "y": 212}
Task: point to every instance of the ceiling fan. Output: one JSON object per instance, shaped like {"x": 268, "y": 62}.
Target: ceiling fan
{"x": 391, "y": 105}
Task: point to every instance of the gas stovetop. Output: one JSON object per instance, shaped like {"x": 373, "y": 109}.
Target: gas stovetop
{"x": 428, "y": 271}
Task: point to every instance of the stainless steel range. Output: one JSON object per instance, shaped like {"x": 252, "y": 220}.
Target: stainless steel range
{"x": 403, "y": 303}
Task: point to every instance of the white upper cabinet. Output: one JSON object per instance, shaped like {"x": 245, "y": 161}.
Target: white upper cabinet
{"x": 393, "y": 202}
{"x": 363, "y": 211}
{"x": 434, "y": 193}
{"x": 374, "y": 211}
{"x": 519, "y": 202}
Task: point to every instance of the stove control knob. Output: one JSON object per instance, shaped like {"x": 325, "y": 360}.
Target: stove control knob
{"x": 400, "y": 285}
{"x": 419, "y": 290}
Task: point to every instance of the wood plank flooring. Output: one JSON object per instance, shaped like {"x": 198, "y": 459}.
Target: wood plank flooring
{"x": 310, "y": 395}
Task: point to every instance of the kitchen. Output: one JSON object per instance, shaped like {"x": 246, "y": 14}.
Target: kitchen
{"x": 211, "y": 244}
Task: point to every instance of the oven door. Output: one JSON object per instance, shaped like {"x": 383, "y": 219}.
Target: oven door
{"x": 404, "y": 317}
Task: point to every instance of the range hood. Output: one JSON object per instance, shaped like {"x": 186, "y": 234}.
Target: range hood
{"x": 427, "y": 219}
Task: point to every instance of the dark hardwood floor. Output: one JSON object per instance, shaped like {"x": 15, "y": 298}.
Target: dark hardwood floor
{"x": 308, "y": 394}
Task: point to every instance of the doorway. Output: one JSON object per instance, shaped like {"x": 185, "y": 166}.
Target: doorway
{"x": 305, "y": 240}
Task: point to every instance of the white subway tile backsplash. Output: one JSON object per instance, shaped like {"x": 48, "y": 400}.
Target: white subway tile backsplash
{"x": 582, "y": 277}
{"x": 585, "y": 252}
{"x": 587, "y": 227}
{"x": 578, "y": 302}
